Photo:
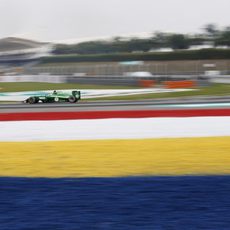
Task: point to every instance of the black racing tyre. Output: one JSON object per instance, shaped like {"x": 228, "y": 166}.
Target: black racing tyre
{"x": 72, "y": 99}
{"x": 32, "y": 100}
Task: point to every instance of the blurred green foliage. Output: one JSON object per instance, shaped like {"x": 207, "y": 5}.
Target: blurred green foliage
{"x": 210, "y": 35}
{"x": 156, "y": 56}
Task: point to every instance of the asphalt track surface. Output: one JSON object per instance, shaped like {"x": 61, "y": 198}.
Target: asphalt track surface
{"x": 115, "y": 105}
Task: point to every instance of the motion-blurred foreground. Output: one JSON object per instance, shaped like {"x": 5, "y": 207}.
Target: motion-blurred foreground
{"x": 115, "y": 203}
{"x": 118, "y": 162}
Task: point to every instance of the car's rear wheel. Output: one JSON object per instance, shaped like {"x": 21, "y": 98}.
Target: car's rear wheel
{"x": 72, "y": 99}
{"x": 32, "y": 100}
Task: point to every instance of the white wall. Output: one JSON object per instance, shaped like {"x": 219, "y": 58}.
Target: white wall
{"x": 34, "y": 78}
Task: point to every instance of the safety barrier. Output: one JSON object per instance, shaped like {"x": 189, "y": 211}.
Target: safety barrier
{"x": 180, "y": 84}
{"x": 146, "y": 83}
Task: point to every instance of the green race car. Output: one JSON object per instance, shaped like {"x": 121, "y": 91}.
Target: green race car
{"x": 55, "y": 96}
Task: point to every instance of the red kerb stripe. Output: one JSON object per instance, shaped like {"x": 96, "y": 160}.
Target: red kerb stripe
{"x": 112, "y": 114}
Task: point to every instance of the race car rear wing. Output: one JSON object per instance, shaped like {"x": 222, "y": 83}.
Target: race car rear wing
{"x": 77, "y": 94}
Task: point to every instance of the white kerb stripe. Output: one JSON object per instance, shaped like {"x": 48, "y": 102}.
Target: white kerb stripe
{"x": 114, "y": 129}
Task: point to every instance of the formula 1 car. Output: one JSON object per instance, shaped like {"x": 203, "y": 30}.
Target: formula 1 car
{"x": 55, "y": 96}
